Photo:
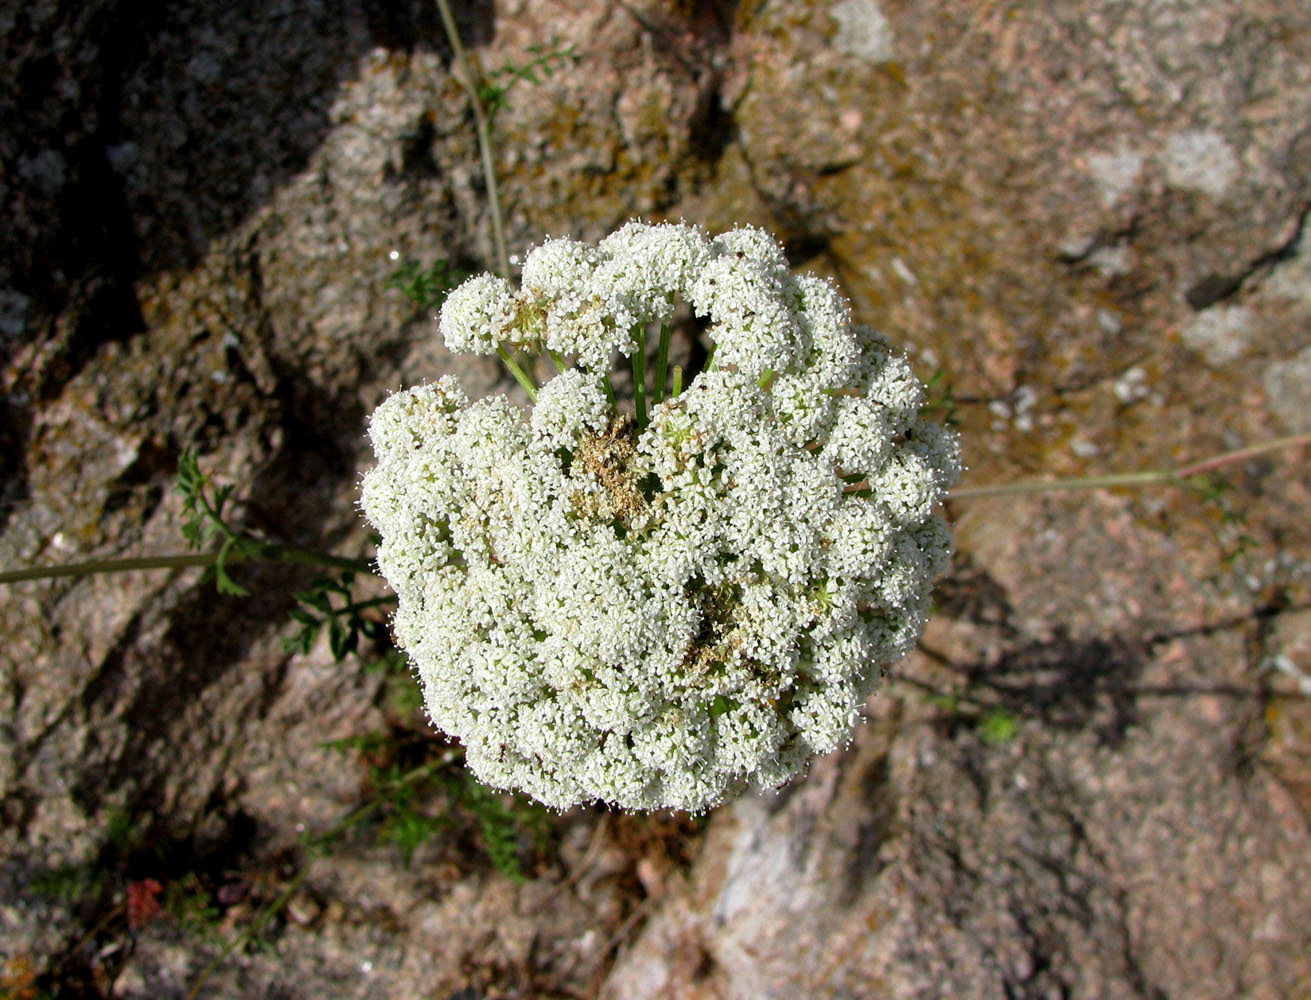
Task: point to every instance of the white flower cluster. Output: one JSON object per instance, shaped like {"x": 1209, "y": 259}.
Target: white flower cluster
{"x": 660, "y": 616}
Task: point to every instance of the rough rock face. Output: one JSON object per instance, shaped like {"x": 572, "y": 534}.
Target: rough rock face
{"x": 1094, "y": 778}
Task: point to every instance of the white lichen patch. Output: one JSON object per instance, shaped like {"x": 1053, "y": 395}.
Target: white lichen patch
{"x": 1220, "y": 334}
{"x": 1288, "y": 391}
{"x": 863, "y": 31}
{"x": 1200, "y": 161}
{"x": 1115, "y": 174}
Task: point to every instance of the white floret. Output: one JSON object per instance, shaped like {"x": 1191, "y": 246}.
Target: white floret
{"x": 746, "y": 735}
{"x": 749, "y": 305}
{"x": 824, "y": 715}
{"x": 860, "y": 536}
{"x": 553, "y": 729}
{"x": 939, "y": 449}
{"x": 570, "y": 306}
{"x": 570, "y": 405}
{"x": 907, "y": 486}
{"x": 860, "y": 439}
{"x": 560, "y": 272}
{"x": 753, "y": 244}
{"x": 886, "y": 378}
{"x": 802, "y": 407}
{"x": 417, "y": 417}
{"x": 479, "y": 316}
{"x": 825, "y": 319}
{"x": 647, "y": 268}
{"x": 678, "y": 739}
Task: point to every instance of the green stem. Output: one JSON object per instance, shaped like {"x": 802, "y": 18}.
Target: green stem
{"x": 178, "y": 561}
{"x": 473, "y": 85}
{"x": 1238, "y": 454}
{"x": 520, "y": 376}
{"x": 662, "y": 360}
{"x": 678, "y": 379}
{"x": 213, "y": 515}
{"x": 249, "y": 932}
{"x": 373, "y": 602}
{"x": 259, "y": 552}
{"x": 1147, "y": 477}
{"x": 639, "y": 374}
{"x": 294, "y": 554}
{"x": 710, "y": 359}
{"x": 1055, "y": 485}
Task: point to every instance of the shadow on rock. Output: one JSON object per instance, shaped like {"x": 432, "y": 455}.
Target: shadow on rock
{"x": 138, "y": 137}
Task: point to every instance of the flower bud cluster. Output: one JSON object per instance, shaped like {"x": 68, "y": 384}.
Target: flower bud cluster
{"x": 660, "y": 616}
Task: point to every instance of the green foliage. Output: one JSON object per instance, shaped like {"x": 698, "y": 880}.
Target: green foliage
{"x": 993, "y": 724}
{"x": 1219, "y": 491}
{"x": 721, "y": 705}
{"x": 426, "y": 288}
{"x": 205, "y": 521}
{"x": 202, "y": 508}
{"x": 547, "y": 58}
{"x": 191, "y": 904}
{"x": 123, "y": 830}
{"x": 344, "y": 622}
{"x": 409, "y": 804}
{"x": 69, "y": 885}
{"x": 391, "y": 663}
{"x": 403, "y": 694}
{"x": 82, "y": 883}
{"x": 949, "y": 703}
{"x": 396, "y": 793}
{"x": 500, "y": 829}
{"x": 998, "y": 727}
{"x": 410, "y": 830}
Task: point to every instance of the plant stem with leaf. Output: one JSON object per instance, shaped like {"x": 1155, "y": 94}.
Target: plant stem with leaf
{"x": 204, "y": 521}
